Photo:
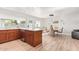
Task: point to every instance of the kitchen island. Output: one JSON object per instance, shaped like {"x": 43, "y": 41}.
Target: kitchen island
{"x": 30, "y": 36}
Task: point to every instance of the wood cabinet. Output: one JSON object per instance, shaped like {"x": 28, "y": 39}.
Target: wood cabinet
{"x": 13, "y": 34}
{"x": 3, "y": 36}
{"x": 32, "y": 37}
{"x": 8, "y": 35}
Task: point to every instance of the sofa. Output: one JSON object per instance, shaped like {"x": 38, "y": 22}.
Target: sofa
{"x": 75, "y": 34}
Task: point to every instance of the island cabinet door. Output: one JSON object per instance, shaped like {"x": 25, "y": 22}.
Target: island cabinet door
{"x": 24, "y": 36}
{"x": 37, "y": 38}
{"x": 16, "y": 34}
{"x": 29, "y": 37}
{"x": 3, "y": 36}
{"x": 9, "y": 35}
{"x": 19, "y": 34}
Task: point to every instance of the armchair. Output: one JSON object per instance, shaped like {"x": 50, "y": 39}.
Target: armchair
{"x": 56, "y": 26}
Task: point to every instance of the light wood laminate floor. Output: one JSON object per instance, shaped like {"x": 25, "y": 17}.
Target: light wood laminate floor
{"x": 49, "y": 43}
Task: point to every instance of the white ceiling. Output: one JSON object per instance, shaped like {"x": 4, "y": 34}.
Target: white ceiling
{"x": 42, "y": 12}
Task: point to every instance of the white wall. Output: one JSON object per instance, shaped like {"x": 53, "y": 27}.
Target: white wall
{"x": 70, "y": 17}
{"x": 10, "y": 14}
{"x": 4, "y": 13}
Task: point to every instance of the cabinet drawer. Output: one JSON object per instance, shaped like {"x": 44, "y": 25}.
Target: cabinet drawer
{"x": 29, "y": 33}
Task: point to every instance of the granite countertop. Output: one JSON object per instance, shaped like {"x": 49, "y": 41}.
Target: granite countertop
{"x": 8, "y": 28}
{"x": 30, "y": 29}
